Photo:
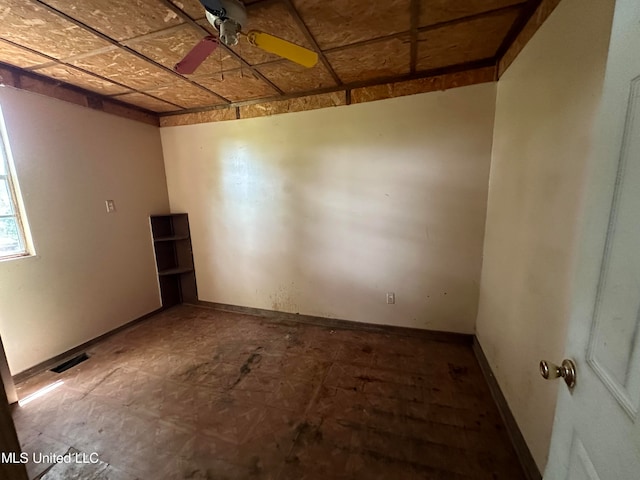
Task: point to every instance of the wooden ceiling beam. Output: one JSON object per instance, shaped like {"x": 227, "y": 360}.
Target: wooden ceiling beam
{"x": 475, "y": 16}
{"x": 508, "y": 53}
{"x": 50, "y": 59}
{"x": 114, "y": 42}
{"x": 415, "y": 20}
{"x": 449, "y": 23}
{"x": 201, "y": 29}
{"x": 527, "y": 12}
{"x": 259, "y": 3}
{"x": 363, "y": 43}
{"x": 151, "y": 35}
{"x": 462, "y": 67}
{"x": 65, "y": 63}
{"x": 251, "y": 3}
{"x": 80, "y": 56}
{"x": 311, "y": 39}
{"x": 526, "y": 9}
{"x": 106, "y": 79}
{"x": 53, "y": 88}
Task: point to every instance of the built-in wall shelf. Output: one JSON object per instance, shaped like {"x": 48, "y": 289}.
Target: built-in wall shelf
{"x": 174, "y": 258}
{"x": 172, "y": 238}
{"x": 174, "y": 271}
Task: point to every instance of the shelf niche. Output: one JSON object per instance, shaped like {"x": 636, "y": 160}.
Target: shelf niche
{"x": 174, "y": 258}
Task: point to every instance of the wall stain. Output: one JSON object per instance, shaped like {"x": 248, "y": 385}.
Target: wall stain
{"x": 283, "y": 299}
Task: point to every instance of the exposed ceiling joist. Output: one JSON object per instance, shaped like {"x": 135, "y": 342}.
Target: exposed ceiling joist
{"x": 525, "y": 14}
{"x": 312, "y": 40}
{"x": 415, "y": 17}
{"x": 474, "y": 65}
{"x": 122, "y": 47}
{"x": 128, "y": 49}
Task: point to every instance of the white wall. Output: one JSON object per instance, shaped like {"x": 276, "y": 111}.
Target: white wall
{"x": 546, "y": 105}
{"x": 93, "y": 271}
{"x": 323, "y": 212}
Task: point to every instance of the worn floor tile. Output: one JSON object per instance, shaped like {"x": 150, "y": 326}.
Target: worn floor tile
{"x": 194, "y": 393}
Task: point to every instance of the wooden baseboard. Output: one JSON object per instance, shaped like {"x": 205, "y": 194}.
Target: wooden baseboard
{"x": 338, "y": 324}
{"x": 522, "y": 450}
{"x": 69, "y": 354}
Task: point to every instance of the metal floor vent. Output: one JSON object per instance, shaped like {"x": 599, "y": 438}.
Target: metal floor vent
{"x": 77, "y": 360}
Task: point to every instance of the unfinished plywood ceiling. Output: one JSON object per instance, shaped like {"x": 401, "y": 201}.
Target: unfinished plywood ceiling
{"x": 123, "y": 51}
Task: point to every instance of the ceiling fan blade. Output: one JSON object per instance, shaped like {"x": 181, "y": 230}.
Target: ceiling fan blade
{"x": 291, "y": 51}
{"x": 196, "y": 56}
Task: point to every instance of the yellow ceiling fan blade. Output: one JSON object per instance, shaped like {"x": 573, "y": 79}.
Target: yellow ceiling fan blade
{"x": 288, "y": 50}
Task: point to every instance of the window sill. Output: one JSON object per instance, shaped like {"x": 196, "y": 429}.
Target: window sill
{"x": 17, "y": 256}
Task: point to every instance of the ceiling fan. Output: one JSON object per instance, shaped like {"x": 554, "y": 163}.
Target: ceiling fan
{"x": 228, "y": 17}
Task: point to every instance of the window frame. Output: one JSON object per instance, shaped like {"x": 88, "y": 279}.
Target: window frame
{"x": 26, "y": 249}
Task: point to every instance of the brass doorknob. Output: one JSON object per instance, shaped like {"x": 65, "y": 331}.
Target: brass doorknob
{"x": 567, "y": 370}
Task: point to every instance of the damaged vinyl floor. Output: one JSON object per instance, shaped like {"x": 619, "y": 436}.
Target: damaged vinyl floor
{"x": 194, "y": 393}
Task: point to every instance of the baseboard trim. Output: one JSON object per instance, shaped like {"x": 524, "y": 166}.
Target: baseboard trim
{"x": 522, "y": 450}
{"x": 339, "y": 324}
{"x": 63, "y": 357}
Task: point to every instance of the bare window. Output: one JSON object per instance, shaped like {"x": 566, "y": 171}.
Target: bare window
{"x": 13, "y": 239}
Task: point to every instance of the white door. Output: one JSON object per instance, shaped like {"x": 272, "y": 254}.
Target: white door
{"x": 597, "y": 426}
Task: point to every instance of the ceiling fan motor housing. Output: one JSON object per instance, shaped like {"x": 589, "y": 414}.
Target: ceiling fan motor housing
{"x": 227, "y": 16}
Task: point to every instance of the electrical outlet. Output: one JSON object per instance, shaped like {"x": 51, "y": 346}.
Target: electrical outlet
{"x": 391, "y": 298}
{"x": 111, "y": 206}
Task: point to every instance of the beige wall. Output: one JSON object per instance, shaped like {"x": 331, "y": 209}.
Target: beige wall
{"x": 546, "y": 104}
{"x": 93, "y": 271}
{"x": 324, "y": 212}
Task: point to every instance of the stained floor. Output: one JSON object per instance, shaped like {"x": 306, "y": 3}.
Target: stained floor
{"x": 195, "y": 393}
